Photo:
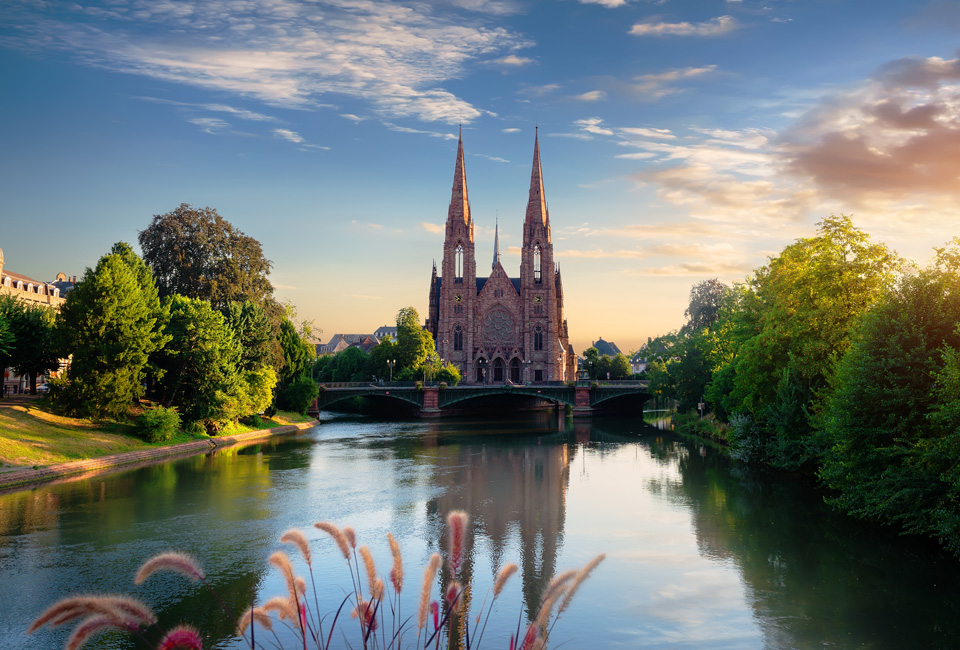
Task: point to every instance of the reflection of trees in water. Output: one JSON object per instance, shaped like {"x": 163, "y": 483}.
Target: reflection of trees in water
{"x": 815, "y": 577}
{"x": 91, "y": 536}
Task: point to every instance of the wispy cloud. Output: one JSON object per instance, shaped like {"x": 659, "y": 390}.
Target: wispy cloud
{"x": 713, "y": 27}
{"x": 646, "y": 132}
{"x": 510, "y": 130}
{"x": 610, "y": 4}
{"x": 593, "y": 125}
{"x": 366, "y": 224}
{"x": 432, "y": 134}
{"x": 286, "y": 53}
{"x": 240, "y": 113}
{"x": 591, "y": 96}
{"x": 352, "y": 117}
{"x": 539, "y": 91}
{"x": 493, "y": 158}
{"x": 658, "y": 84}
{"x": 512, "y": 61}
{"x": 288, "y": 135}
{"x": 210, "y": 124}
{"x": 433, "y": 228}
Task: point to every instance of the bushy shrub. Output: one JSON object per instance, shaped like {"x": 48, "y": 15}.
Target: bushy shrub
{"x": 746, "y": 440}
{"x": 298, "y": 395}
{"x": 158, "y": 424}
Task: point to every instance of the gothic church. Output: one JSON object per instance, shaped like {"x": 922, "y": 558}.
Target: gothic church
{"x": 499, "y": 329}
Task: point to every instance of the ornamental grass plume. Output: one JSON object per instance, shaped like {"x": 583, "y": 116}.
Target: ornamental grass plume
{"x": 311, "y": 627}
{"x": 337, "y": 536}
{"x": 457, "y": 523}
{"x": 428, "y": 577}
{"x": 170, "y": 561}
{"x": 183, "y": 636}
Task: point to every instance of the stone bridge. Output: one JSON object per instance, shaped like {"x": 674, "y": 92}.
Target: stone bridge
{"x": 431, "y": 399}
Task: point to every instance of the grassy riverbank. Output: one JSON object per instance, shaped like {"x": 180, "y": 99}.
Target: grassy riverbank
{"x": 32, "y": 435}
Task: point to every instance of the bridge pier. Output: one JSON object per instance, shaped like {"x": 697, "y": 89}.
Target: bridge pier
{"x": 431, "y": 402}
{"x": 581, "y": 405}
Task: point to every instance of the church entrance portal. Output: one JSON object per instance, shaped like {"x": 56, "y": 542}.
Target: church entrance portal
{"x": 515, "y": 371}
{"x": 498, "y": 370}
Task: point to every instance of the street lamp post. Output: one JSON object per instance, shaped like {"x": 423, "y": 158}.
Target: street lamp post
{"x": 391, "y": 363}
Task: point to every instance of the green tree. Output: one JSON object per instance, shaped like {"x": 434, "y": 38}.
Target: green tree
{"x": 199, "y": 363}
{"x": 414, "y": 343}
{"x": 385, "y": 351}
{"x": 297, "y": 353}
{"x": 591, "y": 361}
{"x": 706, "y": 299}
{"x": 195, "y": 252}
{"x": 351, "y": 365}
{"x": 254, "y": 332}
{"x": 10, "y": 311}
{"x": 34, "y": 351}
{"x": 892, "y": 418}
{"x": 449, "y": 373}
{"x": 619, "y": 367}
{"x": 111, "y": 322}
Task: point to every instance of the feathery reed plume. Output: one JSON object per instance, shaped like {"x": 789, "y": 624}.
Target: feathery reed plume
{"x": 90, "y": 626}
{"x": 530, "y": 638}
{"x": 555, "y": 589}
{"x": 182, "y": 636}
{"x": 337, "y": 536}
{"x": 170, "y": 561}
{"x": 396, "y": 573}
{"x": 370, "y": 567}
{"x": 457, "y": 522}
{"x": 253, "y": 615}
{"x": 502, "y": 578}
{"x": 298, "y": 539}
{"x": 280, "y": 560}
{"x": 377, "y": 590}
{"x": 428, "y": 577}
{"x": 350, "y": 535}
{"x": 582, "y": 575}
{"x": 283, "y": 606}
{"x": 367, "y": 613}
{"x": 453, "y": 596}
{"x": 121, "y": 608}
{"x": 301, "y": 585}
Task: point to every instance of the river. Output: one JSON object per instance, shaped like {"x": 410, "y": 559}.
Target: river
{"x": 701, "y": 553}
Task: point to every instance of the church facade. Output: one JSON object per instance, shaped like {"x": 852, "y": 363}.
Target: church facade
{"x": 497, "y": 328}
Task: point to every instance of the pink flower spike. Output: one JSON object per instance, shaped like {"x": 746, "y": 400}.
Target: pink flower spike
{"x": 182, "y": 636}
{"x": 435, "y": 610}
{"x": 457, "y": 522}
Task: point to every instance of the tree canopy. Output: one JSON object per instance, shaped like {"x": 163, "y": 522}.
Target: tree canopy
{"x": 194, "y": 252}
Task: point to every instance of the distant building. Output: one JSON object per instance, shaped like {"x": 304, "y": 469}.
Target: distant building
{"x": 341, "y": 342}
{"x": 605, "y": 348}
{"x": 386, "y": 330}
{"x": 638, "y": 362}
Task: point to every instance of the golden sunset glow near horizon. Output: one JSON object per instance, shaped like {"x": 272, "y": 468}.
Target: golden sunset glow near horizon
{"x": 680, "y": 141}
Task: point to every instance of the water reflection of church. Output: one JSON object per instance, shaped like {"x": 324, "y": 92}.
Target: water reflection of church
{"x": 515, "y": 494}
{"x": 498, "y": 328}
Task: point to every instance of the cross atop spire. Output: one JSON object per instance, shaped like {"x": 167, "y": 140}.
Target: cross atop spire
{"x": 459, "y": 203}
{"x": 496, "y": 244}
{"x": 536, "y": 205}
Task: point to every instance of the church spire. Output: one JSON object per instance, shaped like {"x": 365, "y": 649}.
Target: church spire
{"x": 496, "y": 244}
{"x": 536, "y": 205}
{"x": 459, "y": 203}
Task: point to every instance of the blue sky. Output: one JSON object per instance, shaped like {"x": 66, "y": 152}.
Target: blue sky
{"x": 680, "y": 140}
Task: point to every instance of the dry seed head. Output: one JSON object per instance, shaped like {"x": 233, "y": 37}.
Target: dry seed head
{"x": 370, "y": 567}
{"x": 350, "y": 535}
{"x": 337, "y": 536}
{"x": 182, "y": 636}
{"x": 502, "y": 578}
{"x": 582, "y": 575}
{"x": 298, "y": 539}
{"x": 454, "y": 596}
{"x": 282, "y": 606}
{"x": 170, "y": 561}
{"x": 396, "y": 573}
{"x": 253, "y": 615}
{"x": 119, "y": 608}
{"x": 280, "y": 560}
{"x": 428, "y": 577}
{"x": 88, "y": 628}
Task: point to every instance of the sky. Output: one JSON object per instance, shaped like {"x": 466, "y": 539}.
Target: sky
{"x": 681, "y": 140}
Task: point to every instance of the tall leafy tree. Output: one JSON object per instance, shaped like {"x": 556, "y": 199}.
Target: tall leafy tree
{"x": 111, "y": 322}
{"x": 10, "y": 310}
{"x": 34, "y": 351}
{"x": 254, "y": 332}
{"x": 893, "y": 418}
{"x": 298, "y": 354}
{"x": 414, "y": 343}
{"x": 200, "y": 362}
{"x": 197, "y": 253}
{"x": 706, "y": 299}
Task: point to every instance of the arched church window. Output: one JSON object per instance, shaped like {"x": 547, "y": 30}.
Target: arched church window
{"x": 458, "y": 264}
{"x": 537, "y": 275}
{"x": 457, "y": 338}
{"x": 538, "y": 338}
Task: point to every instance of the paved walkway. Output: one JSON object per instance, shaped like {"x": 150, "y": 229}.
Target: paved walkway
{"x": 22, "y": 478}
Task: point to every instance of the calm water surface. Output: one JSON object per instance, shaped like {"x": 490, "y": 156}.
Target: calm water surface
{"x": 701, "y": 554}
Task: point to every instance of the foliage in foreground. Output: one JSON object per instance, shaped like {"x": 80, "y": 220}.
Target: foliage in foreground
{"x": 444, "y": 621}
{"x": 158, "y": 424}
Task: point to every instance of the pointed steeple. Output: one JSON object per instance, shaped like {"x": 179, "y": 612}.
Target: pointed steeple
{"x": 536, "y": 205}
{"x": 496, "y": 245}
{"x": 459, "y": 203}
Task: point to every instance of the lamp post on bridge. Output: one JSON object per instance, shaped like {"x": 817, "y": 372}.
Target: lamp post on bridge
{"x": 391, "y": 363}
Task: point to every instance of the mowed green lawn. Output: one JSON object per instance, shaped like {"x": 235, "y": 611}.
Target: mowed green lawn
{"x": 31, "y": 435}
